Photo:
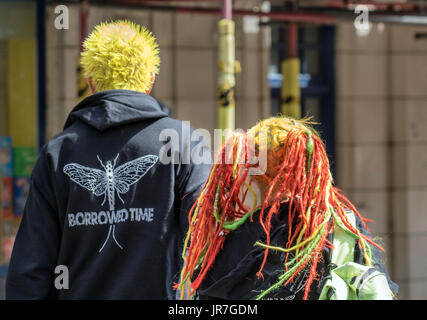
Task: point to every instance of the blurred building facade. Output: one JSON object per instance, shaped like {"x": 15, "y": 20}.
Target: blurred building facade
{"x": 187, "y": 81}
{"x": 382, "y": 141}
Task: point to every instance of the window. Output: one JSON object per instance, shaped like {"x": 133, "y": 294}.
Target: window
{"x": 317, "y": 78}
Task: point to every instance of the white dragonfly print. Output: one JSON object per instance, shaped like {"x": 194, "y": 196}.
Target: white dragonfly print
{"x": 110, "y": 181}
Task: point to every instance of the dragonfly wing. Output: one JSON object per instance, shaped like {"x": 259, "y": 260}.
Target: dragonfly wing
{"x": 94, "y": 180}
{"x": 121, "y": 187}
{"x": 101, "y": 187}
{"x": 129, "y": 173}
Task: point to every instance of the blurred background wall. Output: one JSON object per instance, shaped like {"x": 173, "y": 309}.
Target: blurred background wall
{"x": 18, "y": 118}
{"x": 187, "y": 81}
{"x": 381, "y": 141}
{"x": 368, "y": 91}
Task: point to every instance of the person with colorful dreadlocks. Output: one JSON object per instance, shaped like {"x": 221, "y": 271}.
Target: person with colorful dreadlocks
{"x": 283, "y": 234}
{"x": 106, "y": 214}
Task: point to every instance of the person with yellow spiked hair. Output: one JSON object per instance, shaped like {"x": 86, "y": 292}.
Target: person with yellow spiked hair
{"x": 283, "y": 232}
{"x": 107, "y": 210}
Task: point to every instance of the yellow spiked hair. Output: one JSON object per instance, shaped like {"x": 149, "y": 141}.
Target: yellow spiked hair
{"x": 120, "y": 55}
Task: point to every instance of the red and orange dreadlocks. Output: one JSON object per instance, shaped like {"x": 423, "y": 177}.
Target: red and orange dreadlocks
{"x": 298, "y": 172}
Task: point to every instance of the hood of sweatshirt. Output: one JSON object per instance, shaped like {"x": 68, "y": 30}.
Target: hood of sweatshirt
{"x": 112, "y": 108}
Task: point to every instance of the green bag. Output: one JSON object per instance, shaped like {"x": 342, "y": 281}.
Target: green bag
{"x": 349, "y": 280}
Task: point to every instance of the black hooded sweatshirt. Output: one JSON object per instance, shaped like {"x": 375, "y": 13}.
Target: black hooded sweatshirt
{"x": 104, "y": 205}
{"x": 233, "y": 274}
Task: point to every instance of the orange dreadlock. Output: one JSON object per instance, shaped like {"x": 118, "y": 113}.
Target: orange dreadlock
{"x": 297, "y": 171}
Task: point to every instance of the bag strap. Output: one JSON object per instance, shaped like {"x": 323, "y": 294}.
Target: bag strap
{"x": 344, "y": 243}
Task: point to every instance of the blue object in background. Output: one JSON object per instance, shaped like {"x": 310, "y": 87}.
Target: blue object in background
{"x": 6, "y": 159}
{"x": 275, "y": 80}
{"x": 21, "y": 188}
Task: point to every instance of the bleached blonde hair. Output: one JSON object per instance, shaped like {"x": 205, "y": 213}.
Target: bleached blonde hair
{"x": 121, "y": 55}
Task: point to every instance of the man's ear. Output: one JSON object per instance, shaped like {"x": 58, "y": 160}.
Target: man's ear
{"x": 153, "y": 77}
{"x": 91, "y": 86}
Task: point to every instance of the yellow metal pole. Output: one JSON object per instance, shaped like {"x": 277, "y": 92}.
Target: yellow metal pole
{"x": 22, "y": 92}
{"x": 227, "y": 66}
{"x": 291, "y": 92}
{"x": 226, "y": 78}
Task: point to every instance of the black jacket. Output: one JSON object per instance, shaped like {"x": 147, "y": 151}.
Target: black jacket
{"x": 233, "y": 274}
{"x": 105, "y": 205}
